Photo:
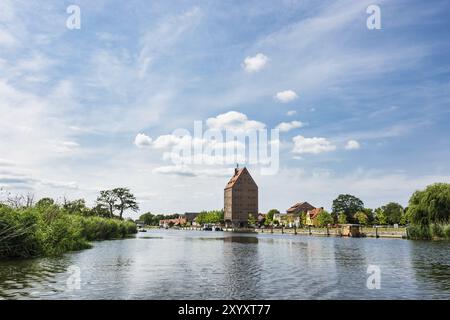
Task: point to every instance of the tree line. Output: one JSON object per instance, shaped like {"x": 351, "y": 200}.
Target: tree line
{"x": 427, "y": 213}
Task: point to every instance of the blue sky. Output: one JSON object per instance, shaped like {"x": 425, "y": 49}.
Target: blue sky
{"x": 73, "y": 101}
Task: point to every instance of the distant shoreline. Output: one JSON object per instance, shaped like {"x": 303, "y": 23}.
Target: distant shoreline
{"x": 368, "y": 232}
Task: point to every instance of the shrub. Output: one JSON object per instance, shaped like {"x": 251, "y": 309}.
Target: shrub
{"x": 447, "y": 231}
{"x": 50, "y": 231}
{"x": 418, "y": 232}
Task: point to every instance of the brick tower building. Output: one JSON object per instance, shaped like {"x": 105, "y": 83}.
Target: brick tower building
{"x": 240, "y": 199}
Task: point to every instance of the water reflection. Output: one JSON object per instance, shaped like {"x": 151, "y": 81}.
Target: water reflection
{"x": 222, "y": 265}
{"x": 242, "y": 267}
{"x": 24, "y": 278}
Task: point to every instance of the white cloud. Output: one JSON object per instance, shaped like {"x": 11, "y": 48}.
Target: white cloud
{"x": 286, "y": 96}
{"x": 288, "y": 126}
{"x": 65, "y": 147}
{"x": 170, "y": 140}
{"x": 6, "y": 39}
{"x": 256, "y": 63}
{"x": 234, "y": 121}
{"x": 352, "y": 145}
{"x": 311, "y": 145}
{"x": 142, "y": 140}
{"x": 291, "y": 113}
{"x": 188, "y": 171}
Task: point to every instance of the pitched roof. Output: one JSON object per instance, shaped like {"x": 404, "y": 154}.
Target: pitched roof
{"x": 298, "y": 206}
{"x": 235, "y": 177}
{"x": 314, "y": 212}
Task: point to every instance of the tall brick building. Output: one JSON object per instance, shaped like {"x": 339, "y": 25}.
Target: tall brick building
{"x": 240, "y": 199}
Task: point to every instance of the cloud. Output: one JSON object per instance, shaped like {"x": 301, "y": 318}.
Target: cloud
{"x": 6, "y": 39}
{"x": 186, "y": 171}
{"x": 352, "y": 145}
{"x": 255, "y": 64}
{"x": 142, "y": 140}
{"x": 288, "y": 126}
{"x": 286, "y": 96}
{"x": 170, "y": 140}
{"x": 234, "y": 121}
{"x": 65, "y": 147}
{"x": 311, "y": 145}
{"x": 291, "y": 113}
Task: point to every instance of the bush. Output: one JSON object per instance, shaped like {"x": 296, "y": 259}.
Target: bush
{"x": 447, "y": 231}
{"x": 418, "y": 232}
{"x": 47, "y": 230}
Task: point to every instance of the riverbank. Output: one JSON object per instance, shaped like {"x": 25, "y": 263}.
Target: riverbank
{"x": 43, "y": 231}
{"x": 399, "y": 233}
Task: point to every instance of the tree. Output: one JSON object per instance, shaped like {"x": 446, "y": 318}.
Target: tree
{"x": 45, "y": 203}
{"x": 251, "y": 219}
{"x": 271, "y": 213}
{"x": 302, "y": 218}
{"x": 380, "y": 217}
{"x": 76, "y": 207}
{"x": 370, "y": 215}
{"x": 430, "y": 206}
{"x": 393, "y": 212}
{"x": 342, "y": 218}
{"x": 118, "y": 199}
{"x": 107, "y": 200}
{"x": 361, "y": 217}
{"x": 100, "y": 211}
{"x": 149, "y": 219}
{"x": 348, "y": 205}
{"x": 324, "y": 218}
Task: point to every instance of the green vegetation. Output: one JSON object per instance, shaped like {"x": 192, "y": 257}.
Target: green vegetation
{"x": 324, "y": 218}
{"x": 393, "y": 212}
{"x": 151, "y": 219}
{"x": 213, "y": 217}
{"x": 429, "y": 212}
{"x": 346, "y": 205}
{"x": 117, "y": 200}
{"x": 251, "y": 220}
{"x": 269, "y": 217}
{"x": 361, "y": 218}
{"x": 50, "y": 229}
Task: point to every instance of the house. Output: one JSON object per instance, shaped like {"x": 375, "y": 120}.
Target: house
{"x": 299, "y": 208}
{"x": 311, "y": 217}
{"x": 166, "y": 223}
{"x": 240, "y": 199}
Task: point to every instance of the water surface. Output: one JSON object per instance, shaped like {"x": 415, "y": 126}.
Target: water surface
{"x": 165, "y": 264}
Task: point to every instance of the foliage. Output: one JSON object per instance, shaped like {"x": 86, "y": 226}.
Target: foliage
{"x": 324, "y": 218}
{"x": 270, "y": 214}
{"x": 348, "y": 205}
{"x": 77, "y": 207}
{"x": 118, "y": 199}
{"x": 151, "y": 219}
{"x": 342, "y": 218}
{"x": 204, "y": 217}
{"x": 251, "y": 220}
{"x": 361, "y": 217}
{"x": 380, "y": 217}
{"x": 430, "y": 206}
{"x": 426, "y": 232}
{"x": 48, "y": 230}
{"x": 393, "y": 212}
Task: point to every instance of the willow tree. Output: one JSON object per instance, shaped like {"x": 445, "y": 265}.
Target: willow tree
{"x": 430, "y": 206}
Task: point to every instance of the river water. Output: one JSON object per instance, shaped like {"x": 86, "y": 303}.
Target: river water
{"x": 170, "y": 264}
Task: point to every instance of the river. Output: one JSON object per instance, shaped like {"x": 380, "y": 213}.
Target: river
{"x": 171, "y": 264}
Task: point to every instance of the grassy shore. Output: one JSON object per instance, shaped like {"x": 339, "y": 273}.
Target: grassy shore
{"x": 50, "y": 231}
